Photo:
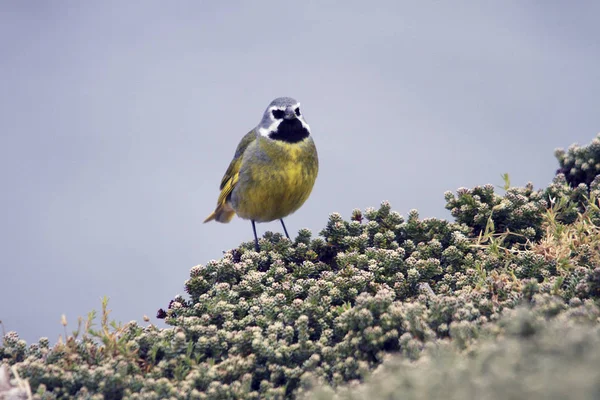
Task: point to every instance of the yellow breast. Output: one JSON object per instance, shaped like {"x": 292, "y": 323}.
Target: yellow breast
{"x": 275, "y": 179}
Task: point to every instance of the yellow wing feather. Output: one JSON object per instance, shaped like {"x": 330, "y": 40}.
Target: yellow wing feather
{"x": 224, "y": 212}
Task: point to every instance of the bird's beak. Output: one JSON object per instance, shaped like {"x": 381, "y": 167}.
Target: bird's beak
{"x": 290, "y": 113}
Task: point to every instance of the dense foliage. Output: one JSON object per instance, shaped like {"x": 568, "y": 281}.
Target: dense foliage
{"x": 406, "y": 297}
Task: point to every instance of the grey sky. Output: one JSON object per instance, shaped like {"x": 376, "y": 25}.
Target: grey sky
{"x": 118, "y": 119}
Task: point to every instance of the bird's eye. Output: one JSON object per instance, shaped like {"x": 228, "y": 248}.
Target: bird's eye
{"x": 278, "y": 114}
{"x": 297, "y": 111}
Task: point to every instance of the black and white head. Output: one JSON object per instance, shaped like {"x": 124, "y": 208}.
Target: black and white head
{"x": 283, "y": 120}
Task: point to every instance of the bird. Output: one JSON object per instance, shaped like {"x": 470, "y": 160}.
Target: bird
{"x": 273, "y": 170}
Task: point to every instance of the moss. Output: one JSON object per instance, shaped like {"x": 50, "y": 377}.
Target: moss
{"x": 377, "y": 298}
{"x": 579, "y": 164}
{"x": 533, "y": 358}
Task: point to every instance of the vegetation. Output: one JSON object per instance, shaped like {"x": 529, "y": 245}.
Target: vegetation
{"x": 500, "y": 303}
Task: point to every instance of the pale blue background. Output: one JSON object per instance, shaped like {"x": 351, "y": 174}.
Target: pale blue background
{"x": 118, "y": 119}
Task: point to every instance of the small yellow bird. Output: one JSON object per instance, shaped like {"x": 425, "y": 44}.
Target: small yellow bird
{"x": 273, "y": 169}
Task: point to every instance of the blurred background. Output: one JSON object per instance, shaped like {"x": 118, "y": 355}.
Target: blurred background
{"x": 118, "y": 119}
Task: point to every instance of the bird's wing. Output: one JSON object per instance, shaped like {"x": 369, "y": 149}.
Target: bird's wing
{"x": 231, "y": 175}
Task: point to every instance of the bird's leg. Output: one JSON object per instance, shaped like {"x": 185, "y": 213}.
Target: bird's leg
{"x": 255, "y": 237}
{"x": 285, "y": 230}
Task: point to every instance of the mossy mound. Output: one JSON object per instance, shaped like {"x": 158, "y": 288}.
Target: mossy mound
{"x": 534, "y": 358}
{"x": 512, "y": 271}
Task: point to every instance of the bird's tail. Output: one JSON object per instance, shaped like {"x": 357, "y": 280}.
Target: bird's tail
{"x": 223, "y": 213}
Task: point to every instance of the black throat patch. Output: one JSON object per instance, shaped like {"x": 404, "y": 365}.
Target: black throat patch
{"x": 290, "y": 131}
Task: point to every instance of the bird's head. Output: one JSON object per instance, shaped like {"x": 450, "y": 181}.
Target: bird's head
{"x": 284, "y": 121}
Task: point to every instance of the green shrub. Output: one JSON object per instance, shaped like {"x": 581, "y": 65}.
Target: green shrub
{"x": 533, "y": 358}
{"x": 406, "y": 297}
